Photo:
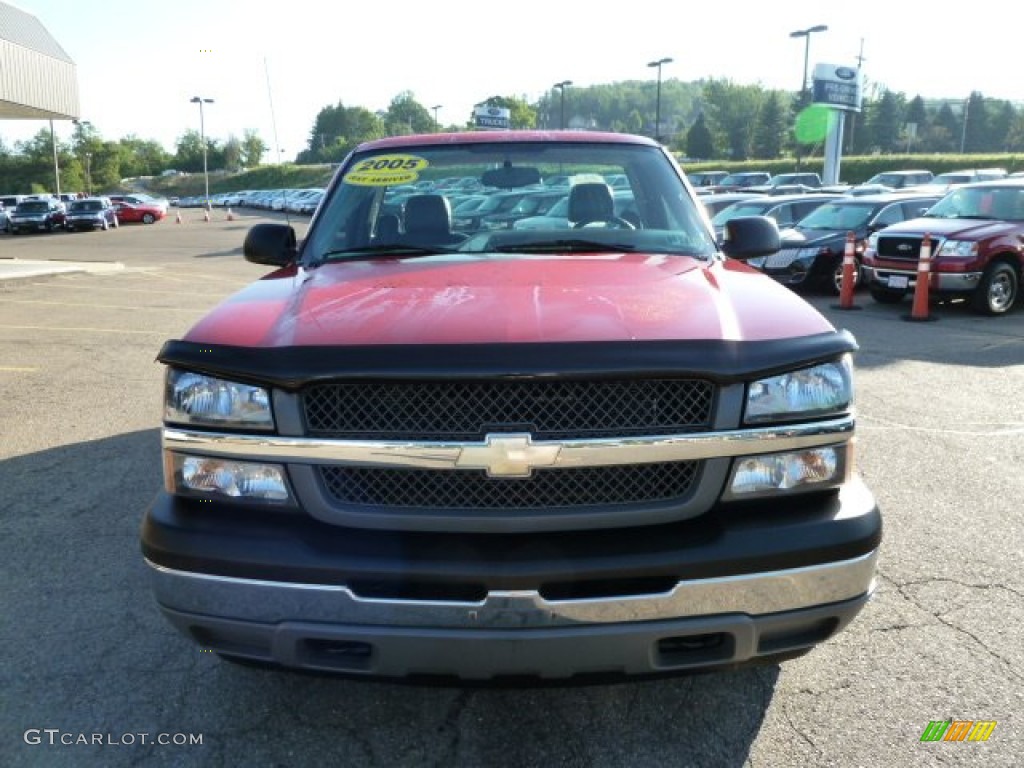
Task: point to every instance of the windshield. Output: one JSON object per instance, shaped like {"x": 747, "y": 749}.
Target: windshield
{"x": 741, "y": 209}
{"x": 742, "y": 179}
{"x": 33, "y": 207}
{"x": 837, "y": 216}
{"x": 87, "y": 205}
{"x": 372, "y": 208}
{"x": 1004, "y": 203}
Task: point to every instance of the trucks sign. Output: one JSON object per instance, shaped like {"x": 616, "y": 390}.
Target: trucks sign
{"x": 492, "y": 118}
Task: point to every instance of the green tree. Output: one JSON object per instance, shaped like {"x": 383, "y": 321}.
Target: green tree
{"x": 886, "y": 122}
{"x": 916, "y": 116}
{"x": 699, "y": 142}
{"x": 1015, "y": 134}
{"x": 1001, "y": 116}
{"x": 337, "y": 130}
{"x": 731, "y": 112}
{"x": 405, "y": 115}
{"x": 943, "y": 131}
{"x": 253, "y": 148}
{"x": 975, "y": 127}
{"x": 140, "y": 157}
{"x": 769, "y": 128}
{"x": 188, "y": 154}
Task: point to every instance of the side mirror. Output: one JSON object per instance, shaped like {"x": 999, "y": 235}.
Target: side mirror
{"x": 749, "y": 236}
{"x": 271, "y": 244}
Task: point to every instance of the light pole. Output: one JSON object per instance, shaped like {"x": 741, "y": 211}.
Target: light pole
{"x": 202, "y": 134}
{"x": 56, "y": 166}
{"x": 806, "y": 35}
{"x": 561, "y": 87}
{"x": 88, "y": 174}
{"x": 435, "y": 108}
{"x": 657, "y": 102}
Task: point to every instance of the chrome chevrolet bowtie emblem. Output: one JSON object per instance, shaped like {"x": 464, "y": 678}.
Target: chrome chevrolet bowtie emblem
{"x": 508, "y": 456}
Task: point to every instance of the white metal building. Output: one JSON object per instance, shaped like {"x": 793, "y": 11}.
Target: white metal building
{"x": 38, "y": 80}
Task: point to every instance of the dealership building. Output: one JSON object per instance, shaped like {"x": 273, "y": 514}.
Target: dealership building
{"x": 38, "y": 80}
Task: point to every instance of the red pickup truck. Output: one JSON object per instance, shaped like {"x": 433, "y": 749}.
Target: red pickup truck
{"x": 977, "y": 249}
{"x": 601, "y": 447}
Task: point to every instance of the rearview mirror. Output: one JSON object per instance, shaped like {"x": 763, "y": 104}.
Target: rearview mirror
{"x": 509, "y": 177}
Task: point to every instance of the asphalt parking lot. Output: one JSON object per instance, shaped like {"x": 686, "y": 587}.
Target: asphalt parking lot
{"x": 941, "y": 443}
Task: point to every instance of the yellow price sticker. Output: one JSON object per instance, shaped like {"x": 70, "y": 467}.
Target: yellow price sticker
{"x": 386, "y": 170}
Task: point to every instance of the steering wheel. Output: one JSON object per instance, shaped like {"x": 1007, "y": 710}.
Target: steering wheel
{"x": 612, "y": 222}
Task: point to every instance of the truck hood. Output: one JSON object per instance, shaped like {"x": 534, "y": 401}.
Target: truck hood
{"x": 966, "y": 229}
{"x": 474, "y": 299}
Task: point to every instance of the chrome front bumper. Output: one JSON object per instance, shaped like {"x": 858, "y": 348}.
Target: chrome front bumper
{"x": 699, "y": 623}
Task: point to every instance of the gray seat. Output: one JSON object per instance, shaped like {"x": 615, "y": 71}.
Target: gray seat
{"x": 389, "y": 228}
{"x": 428, "y": 221}
{"x": 591, "y": 202}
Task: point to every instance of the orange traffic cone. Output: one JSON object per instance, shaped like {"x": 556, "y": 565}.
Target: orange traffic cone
{"x": 848, "y": 282}
{"x": 919, "y": 311}
{"x": 231, "y": 216}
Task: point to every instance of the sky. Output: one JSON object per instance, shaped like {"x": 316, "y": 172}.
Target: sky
{"x": 272, "y": 66}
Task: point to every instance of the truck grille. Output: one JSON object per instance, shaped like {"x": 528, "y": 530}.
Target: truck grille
{"x": 908, "y": 248}
{"x": 544, "y": 489}
{"x": 468, "y": 410}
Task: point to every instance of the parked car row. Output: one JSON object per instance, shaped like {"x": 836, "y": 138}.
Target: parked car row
{"x": 47, "y": 213}
{"x": 289, "y": 200}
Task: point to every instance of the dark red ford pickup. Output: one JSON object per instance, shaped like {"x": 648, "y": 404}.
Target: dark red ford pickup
{"x": 976, "y": 234}
{"x": 599, "y": 444}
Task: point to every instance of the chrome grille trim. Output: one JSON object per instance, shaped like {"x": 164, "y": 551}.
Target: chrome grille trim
{"x": 570, "y": 453}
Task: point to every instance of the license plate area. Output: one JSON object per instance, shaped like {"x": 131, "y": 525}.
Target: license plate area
{"x": 898, "y": 281}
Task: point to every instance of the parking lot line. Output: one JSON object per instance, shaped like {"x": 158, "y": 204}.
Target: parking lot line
{"x": 121, "y": 289}
{"x": 17, "y": 369}
{"x": 102, "y": 306}
{"x": 72, "y": 329}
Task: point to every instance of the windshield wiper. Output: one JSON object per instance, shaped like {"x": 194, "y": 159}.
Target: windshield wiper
{"x": 557, "y": 246}
{"x": 372, "y": 251}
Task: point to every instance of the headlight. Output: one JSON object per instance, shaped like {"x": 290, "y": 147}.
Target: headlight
{"x": 226, "y": 479}
{"x": 192, "y": 398}
{"x": 809, "y": 470}
{"x": 817, "y": 391}
{"x": 873, "y": 241}
{"x": 964, "y": 249}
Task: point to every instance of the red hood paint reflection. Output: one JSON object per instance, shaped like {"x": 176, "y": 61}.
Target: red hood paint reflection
{"x": 475, "y": 299}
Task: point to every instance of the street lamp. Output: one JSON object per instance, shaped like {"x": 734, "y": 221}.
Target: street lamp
{"x": 202, "y": 134}
{"x": 88, "y": 174}
{"x": 561, "y": 87}
{"x": 435, "y": 108}
{"x": 56, "y": 165}
{"x": 806, "y": 35}
{"x": 657, "y": 103}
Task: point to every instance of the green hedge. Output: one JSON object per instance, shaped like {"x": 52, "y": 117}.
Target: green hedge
{"x": 858, "y": 169}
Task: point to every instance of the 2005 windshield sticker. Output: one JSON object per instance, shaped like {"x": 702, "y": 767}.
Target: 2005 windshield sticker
{"x": 386, "y": 171}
